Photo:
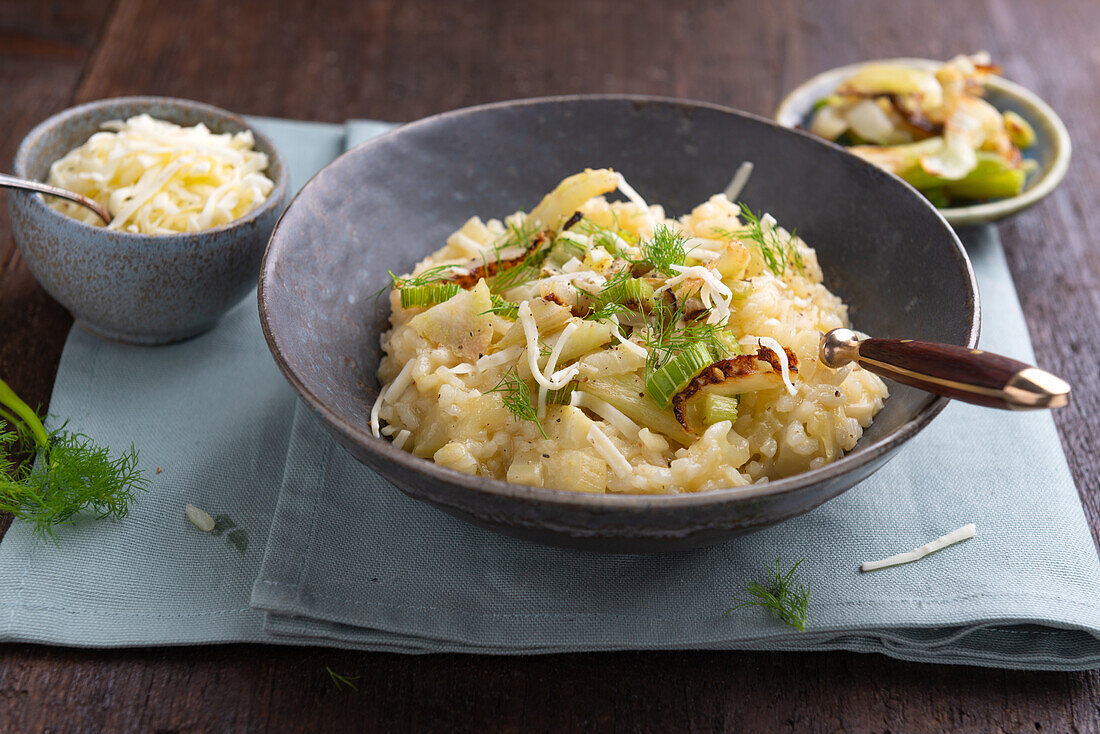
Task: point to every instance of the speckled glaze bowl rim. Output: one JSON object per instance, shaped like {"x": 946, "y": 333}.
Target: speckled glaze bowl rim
{"x": 794, "y": 107}
{"x": 603, "y": 503}
{"x": 136, "y": 239}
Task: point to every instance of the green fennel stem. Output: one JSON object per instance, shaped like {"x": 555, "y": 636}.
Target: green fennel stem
{"x": 69, "y": 475}
{"x": 24, "y": 413}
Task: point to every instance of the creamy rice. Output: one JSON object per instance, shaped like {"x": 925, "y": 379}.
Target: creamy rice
{"x": 459, "y": 388}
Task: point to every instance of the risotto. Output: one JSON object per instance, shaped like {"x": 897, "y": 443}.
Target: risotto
{"x": 600, "y": 346}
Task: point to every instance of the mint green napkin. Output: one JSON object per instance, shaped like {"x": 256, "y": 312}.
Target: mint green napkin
{"x": 211, "y": 419}
{"x": 333, "y": 555}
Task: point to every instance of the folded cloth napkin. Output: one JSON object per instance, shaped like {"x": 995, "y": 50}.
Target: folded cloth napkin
{"x": 211, "y": 419}
{"x": 351, "y": 562}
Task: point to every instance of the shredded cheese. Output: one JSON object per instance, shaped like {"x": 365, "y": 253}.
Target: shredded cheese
{"x": 636, "y": 349}
{"x": 401, "y": 437}
{"x": 703, "y": 249}
{"x": 608, "y": 412}
{"x": 955, "y": 536}
{"x": 629, "y": 192}
{"x": 607, "y": 450}
{"x": 715, "y": 294}
{"x": 404, "y": 377}
{"x": 504, "y": 356}
{"x": 586, "y": 279}
{"x": 581, "y": 239}
{"x": 564, "y": 375}
{"x": 560, "y": 378}
{"x": 156, "y": 177}
{"x": 552, "y": 361}
{"x": 780, "y": 353}
{"x": 768, "y": 225}
{"x": 652, "y": 441}
{"x": 737, "y": 184}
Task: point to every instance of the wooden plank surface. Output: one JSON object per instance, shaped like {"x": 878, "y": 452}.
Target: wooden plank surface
{"x": 398, "y": 60}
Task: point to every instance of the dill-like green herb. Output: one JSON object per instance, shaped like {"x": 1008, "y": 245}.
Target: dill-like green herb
{"x": 67, "y": 475}
{"x": 783, "y": 595}
{"x": 74, "y": 475}
{"x": 517, "y": 234}
{"x": 777, "y": 252}
{"x": 527, "y": 269}
{"x": 571, "y": 247}
{"x": 606, "y": 237}
{"x": 605, "y": 311}
{"x": 665, "y": 337}
{"x": 519, "y": 274}
{"x": 501, "y": 307}
{"x": 665, "y": 249}
{"x": 9, "y": 440}
{"x": 516, "y": 396}
{"x": 614, "y": 288}
{"x": 429, "y": 276}
{"x": 680, "y": 340}
{"x": 612, "y": 299}
{"x": 342, "y": 680}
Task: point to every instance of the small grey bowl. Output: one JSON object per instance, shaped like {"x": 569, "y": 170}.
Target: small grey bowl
{"x": 137, "y": 288}
{"x": 1051, "y": 150}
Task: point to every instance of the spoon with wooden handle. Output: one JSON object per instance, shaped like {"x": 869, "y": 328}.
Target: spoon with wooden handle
{"x": 970, "y": 375}
{"x": 14, "y": 182}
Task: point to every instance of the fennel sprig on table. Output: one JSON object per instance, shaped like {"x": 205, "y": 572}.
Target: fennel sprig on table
{"x": 782, "y": 594}
{"x": 67, "y": 475}
{"x": 342, "y": 681}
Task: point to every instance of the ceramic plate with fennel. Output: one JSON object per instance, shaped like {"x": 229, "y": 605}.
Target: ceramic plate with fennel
{"x": 966, "y": 191}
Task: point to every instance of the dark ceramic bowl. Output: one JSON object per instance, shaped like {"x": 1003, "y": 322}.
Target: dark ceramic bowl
{"x": 389, "y": 202}
{"x": 143, "y": 289}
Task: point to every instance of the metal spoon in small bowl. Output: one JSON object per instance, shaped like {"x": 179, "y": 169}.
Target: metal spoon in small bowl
{"x": 13, "y": 182}
{"x": 970, "y": 375}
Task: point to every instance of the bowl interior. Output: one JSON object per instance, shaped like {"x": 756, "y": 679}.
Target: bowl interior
{"x": 1051, "y": 150}
{"x": 393, "y": 200}
{"x": 59, "y": 134}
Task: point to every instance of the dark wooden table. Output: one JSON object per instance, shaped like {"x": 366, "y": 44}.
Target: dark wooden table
{"x": 399, "y": 60}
